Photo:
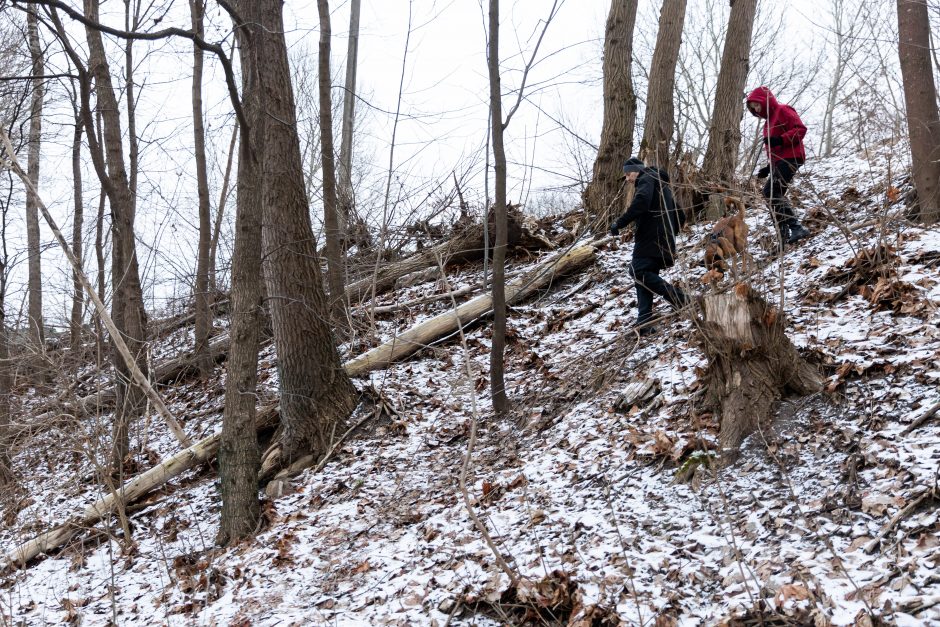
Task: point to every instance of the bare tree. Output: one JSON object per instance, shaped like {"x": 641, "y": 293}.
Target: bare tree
{"x": 619, "y": 114}
{"x": 239, "y": 455}
{"x": 920, "y": 95}
{"x": 659, "y": 121}
{"x": 725, "y": 134}
{"x": 220, "y": 213}
{"x": 78, "y": 299}
{"x": 132, "y": 19}
{"x": 316, "y": 393}
{"x": 331, "y": 221}
{"x": 203, "y": 325}
{"x": 498, "y": 127}
{"x": 845, "y": 30}
{"x": 497, "y": 376}
{"x": 127, "y": 297}
{"x": 349, "y": 114}
{"x": 36, "y": 327}
{"x": 6, "y": 378}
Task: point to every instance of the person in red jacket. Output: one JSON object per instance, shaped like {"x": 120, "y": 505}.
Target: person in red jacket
{"x": 783, "y": 140}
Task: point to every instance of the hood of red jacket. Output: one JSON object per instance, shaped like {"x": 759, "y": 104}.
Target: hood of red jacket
{"x": 766, "y": 98}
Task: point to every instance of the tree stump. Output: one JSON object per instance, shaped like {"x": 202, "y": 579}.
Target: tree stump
{"x": 751, "y": 364}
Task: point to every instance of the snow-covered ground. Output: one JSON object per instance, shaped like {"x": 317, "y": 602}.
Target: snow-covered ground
{"x": 597, "y": 507}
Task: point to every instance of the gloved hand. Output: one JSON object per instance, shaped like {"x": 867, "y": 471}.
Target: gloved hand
{"x": 614, "y": 230}
{"x": 763, "y": 173}
{"x": 773, "y": 141}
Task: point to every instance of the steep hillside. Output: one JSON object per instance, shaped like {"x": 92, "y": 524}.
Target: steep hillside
{"x": 599, "y": 494}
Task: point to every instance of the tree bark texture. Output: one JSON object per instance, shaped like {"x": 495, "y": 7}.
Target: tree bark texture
{"x": 34, "y": 310}
{"x": 724, "y": 137}
{"x": 619, "y": 117}
{"x": 498, "y": 348}
{"x": 334, "y": 249}
{"x": 920, "y": 96}
{"x": 78, "y": 220}
{"x": 239, "y": 454}
{"x": 202, "y": 296}
{"x": 751, "y": 363}
{"x": 127, "y": 296}
{"x": 659, "y": 122}
{"x": 316, "y": 393}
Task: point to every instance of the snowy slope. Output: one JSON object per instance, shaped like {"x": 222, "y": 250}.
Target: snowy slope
{"x": 580, "y": 494}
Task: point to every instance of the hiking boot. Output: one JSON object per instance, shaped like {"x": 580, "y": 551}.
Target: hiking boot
{"x": 797, "y": 232}
{"x": 644, "y": 327}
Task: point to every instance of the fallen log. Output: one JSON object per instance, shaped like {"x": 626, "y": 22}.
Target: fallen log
{"x": 466, "y": 245}
{"x": 751, "y": 364}
{"x": 135, "y": 488}
{"x": 448, "y": 322}
{"x": 406, "y": 344}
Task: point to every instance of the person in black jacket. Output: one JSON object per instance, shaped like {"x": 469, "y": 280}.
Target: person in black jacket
{"x": 657, "y": 221}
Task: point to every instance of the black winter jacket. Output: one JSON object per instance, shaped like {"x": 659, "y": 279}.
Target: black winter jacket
{"x": 657, "y": 219}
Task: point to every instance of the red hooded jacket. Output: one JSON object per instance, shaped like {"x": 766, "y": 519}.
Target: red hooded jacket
{"x": 781, "y": 121}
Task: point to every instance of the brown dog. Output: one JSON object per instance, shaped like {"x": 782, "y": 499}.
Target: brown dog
{"x": 727, "y": 240}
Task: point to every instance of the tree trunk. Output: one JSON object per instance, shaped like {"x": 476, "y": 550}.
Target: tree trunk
{"x": 78, "y": 299}
{"x": 345, "y": 191}
{"x": 659, "y": 121}
{"x": 6, "y": 379}
{"x": 619, "y": 117}
{"x": 127, "y": 297}
{"x": 724, "y": 138}
{"x": 133, "y": 146}
{"x": 920, "y": 95}
{"x": 316, "y": 394}
{"x": 334, "y": 249}
{"x": 6, "y": 472}
{"x": 751, "y": 364}
{"x": 497, "y": 377}
{"x": 239, "y": 454}
{"x": 36, "y": 328}
{"x": 203, "y": 327}
{"x": 219, "y": 213}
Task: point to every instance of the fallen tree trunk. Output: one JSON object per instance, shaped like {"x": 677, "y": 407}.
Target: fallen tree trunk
{"x": 466, "y": 245}
{"x": 406, "y": 344}
{"x": 751, "y": 364}
{"x": 448, "y": 322}
{"x": 135, "y": 488}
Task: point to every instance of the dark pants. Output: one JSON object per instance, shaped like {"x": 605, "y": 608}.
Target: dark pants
{"x": 645, "y": 273}
{"x": 775, "y": 190}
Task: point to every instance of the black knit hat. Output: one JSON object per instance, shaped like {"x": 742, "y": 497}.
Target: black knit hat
{"x": 633, "y": 165}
